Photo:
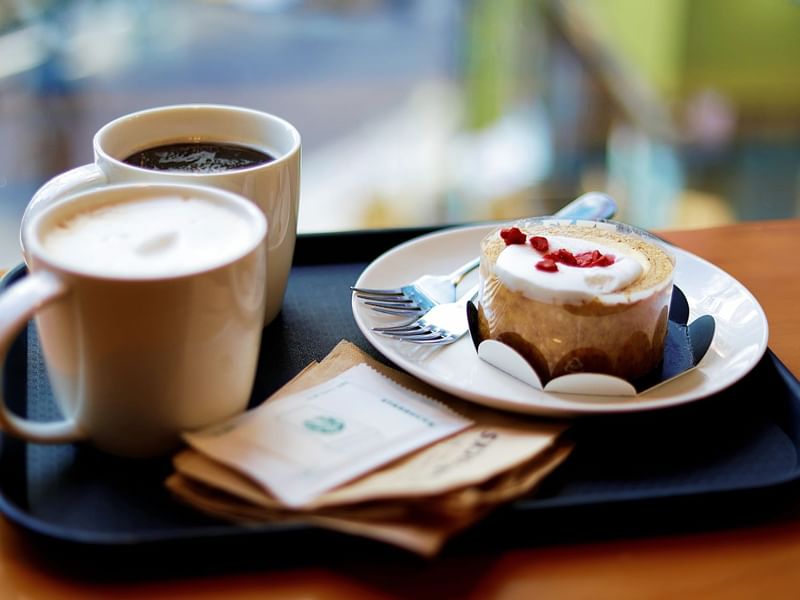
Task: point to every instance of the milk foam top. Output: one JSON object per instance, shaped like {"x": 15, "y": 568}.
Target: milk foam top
{"x": 150, "y": 236}
{"x": 515, "y": 268}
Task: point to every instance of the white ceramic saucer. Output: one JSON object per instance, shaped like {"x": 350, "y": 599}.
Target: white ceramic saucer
{"x": 739, "y": 342}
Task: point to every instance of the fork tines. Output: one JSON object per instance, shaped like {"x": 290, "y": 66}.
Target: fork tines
{"x": 430, "y": 337}
{"x": 391, "y": 302}
{"x": 413, "y": 332}
{"x": 381, "y": 293}
{"x": 401, "y": 307}
{"x": 388, "y": 303}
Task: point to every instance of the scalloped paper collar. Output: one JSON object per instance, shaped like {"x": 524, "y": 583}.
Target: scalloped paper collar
{"x": 684, "y": 347}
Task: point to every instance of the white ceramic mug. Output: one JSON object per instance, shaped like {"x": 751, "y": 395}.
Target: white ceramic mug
{"x": 153, "y": 337}
{"x": 273, "y": 186}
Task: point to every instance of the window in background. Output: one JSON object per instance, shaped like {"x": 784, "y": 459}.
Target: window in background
{"x": 416, "y": 112}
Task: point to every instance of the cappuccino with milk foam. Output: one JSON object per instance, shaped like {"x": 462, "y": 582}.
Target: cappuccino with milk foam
{"x": 149, "y": 304}
{"x": 150, "y": 237}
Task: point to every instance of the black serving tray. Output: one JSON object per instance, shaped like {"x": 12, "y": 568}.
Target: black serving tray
{"x": 728, "y": 459}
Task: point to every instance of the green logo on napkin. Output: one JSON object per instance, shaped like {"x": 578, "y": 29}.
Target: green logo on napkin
{"x": 323, "y": 424}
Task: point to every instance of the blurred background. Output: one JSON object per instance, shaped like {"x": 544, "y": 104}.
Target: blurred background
{"x": 426, "y": 112}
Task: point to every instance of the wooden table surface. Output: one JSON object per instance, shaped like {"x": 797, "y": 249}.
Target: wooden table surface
{"x": 741, "y": 562}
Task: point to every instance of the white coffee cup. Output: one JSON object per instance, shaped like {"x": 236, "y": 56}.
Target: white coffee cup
{"x": 147, "y": 328}
{"x": 274, "y": 186}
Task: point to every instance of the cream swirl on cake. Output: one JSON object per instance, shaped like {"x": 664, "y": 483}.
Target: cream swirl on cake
{"x": 569, "y": 283}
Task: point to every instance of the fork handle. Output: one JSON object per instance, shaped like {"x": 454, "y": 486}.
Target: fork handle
{"x": 456, "y": 276}
{"x": 469, "y": 295}
{"x": 591, "y": 205}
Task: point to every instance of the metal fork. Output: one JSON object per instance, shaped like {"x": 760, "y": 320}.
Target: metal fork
{"x": 442, "y": 324}
{"x": 419, "y": 296}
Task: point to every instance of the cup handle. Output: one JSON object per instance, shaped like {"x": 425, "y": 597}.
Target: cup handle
{"x": 17, "y": 306}
{"x": 75, "y": 180}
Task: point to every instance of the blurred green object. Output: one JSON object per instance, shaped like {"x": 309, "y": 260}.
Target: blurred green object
{"x": 746, "y": 51}
{"x": 503, "y": 50}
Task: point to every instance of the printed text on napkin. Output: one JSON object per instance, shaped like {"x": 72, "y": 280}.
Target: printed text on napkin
{"x": 299, "y": 446}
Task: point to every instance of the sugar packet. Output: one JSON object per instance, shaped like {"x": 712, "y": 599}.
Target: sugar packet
{"x": 299, "y": 446}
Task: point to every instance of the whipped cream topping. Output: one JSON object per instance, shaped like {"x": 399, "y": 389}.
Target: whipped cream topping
{"x": 516, "y": 269}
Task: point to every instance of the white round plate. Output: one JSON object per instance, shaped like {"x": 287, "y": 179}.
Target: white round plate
{"x": 740, "y": 339}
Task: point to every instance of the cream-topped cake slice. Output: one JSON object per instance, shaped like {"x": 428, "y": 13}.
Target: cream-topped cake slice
{"x": 584, "y": 297}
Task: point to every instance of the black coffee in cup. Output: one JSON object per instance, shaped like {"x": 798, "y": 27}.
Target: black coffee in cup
{"x": 204, "y": 157}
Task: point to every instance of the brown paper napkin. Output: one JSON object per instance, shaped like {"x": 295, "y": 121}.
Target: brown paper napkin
{"x": 417, "y": 502}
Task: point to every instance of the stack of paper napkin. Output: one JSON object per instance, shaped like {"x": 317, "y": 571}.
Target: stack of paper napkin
{"x": 355, "y": 446}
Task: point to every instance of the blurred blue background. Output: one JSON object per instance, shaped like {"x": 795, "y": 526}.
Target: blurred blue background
{"x": 433, "y": 112}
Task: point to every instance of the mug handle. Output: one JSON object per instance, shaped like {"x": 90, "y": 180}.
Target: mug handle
{"x": 70, "y": 182}
{"x": 17, "y": 306}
